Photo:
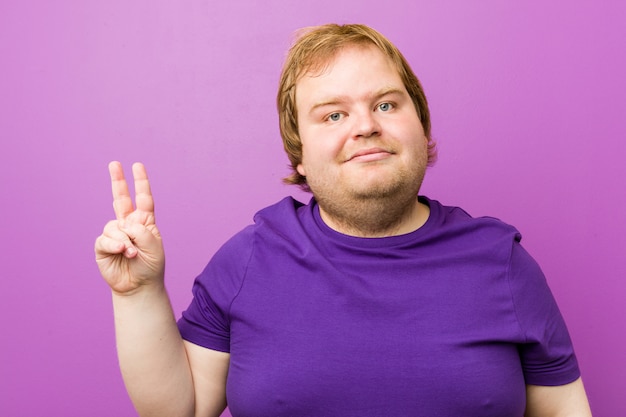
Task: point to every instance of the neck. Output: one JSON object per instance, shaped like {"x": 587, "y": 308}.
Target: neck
{"x": 375, "y": 217}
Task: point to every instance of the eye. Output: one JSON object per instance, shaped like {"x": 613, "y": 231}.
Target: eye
{"x": 385, "y": 106}
{"x": 334, "y": 117}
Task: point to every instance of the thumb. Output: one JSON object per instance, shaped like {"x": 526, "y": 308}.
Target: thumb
{"x": 140, "y": 237}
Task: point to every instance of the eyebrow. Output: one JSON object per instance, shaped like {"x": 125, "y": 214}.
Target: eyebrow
{"x": 343, "y": 98}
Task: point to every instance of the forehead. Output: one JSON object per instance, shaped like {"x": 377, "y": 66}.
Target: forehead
{"x": 353, "y": 69}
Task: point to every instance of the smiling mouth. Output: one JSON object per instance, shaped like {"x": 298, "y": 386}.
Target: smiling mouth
{"x": 372, "y": 154}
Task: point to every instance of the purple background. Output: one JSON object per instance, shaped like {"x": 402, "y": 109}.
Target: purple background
{"x": 528, "y": 109}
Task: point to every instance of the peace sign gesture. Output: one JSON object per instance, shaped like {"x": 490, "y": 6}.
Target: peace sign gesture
{"x": 129, "y": 252}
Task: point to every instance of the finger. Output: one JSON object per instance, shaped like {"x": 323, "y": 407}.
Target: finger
{"x": 115, "y": 240}
{"x": 108, "y": 246}
{"x": 140, "y": 236}
{"x": 143, "y": 240}
{"x": 143, "y": 194}
{"x": 122, "y": 203}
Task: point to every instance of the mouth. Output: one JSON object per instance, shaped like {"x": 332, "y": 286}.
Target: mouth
{"x": 370, "y": 154}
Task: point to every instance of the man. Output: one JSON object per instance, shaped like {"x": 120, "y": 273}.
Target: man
{"x": 368, "y": 301}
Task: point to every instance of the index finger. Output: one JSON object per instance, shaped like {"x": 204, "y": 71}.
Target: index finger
{"x": 143, "y": 194}
{"x": 122, "y": 203}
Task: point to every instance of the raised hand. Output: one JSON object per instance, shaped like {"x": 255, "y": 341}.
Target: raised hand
{"x": 129, "y": 252}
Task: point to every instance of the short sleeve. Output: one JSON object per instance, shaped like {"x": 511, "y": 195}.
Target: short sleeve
{"x": 547, "y": 353}
{"x": 206, "y": 322}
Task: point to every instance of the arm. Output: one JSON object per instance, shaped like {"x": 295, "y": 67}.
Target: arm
{"x": 567, "y": 400}
{"x": 165, "y": 375}
{"x": 161, "y": 372}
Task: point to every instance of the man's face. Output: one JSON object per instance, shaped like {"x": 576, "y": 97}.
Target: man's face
{"x": 361, "y": 135}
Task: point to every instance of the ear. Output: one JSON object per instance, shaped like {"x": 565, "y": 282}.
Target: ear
{"x": 301, "y": 170}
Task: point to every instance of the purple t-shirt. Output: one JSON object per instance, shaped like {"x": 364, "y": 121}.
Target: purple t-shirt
{"x": 453, "y": 319}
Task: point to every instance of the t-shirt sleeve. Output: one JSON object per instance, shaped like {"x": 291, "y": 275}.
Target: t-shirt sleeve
{"x": 547, "y": 354}
{"x": 206, "y": 322}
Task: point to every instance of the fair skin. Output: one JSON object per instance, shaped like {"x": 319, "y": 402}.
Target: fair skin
{"x": 361, "y": 136}
{"x": 364, "y": 148}
{"x": 164, "y": 375}
{"x": 363, "y": 145}
{"x": 568, "y": 400}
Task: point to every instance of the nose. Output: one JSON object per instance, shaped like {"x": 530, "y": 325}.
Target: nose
{"x": 365, "y": 125}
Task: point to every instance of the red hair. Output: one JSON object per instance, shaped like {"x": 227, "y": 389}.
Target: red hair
{"x": 313, "y": 50}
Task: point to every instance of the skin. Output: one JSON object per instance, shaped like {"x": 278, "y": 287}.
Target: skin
{"x": 164, "y": 375}
{"x": 364, "y": 148}
{"x": 568, "y": 400}
{"x": 364, "y": 156}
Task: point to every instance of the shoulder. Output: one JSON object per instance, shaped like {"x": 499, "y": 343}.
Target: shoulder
{"x": 282, "y": 214}
{"x": 455, "y": 223}
{"x": 279, "y": 221}
{"x": 287, "y": 206}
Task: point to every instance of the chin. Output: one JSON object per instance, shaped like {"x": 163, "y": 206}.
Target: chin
{"x": 380, "y": 190}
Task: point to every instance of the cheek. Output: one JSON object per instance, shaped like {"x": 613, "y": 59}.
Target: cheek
{"x": 320, "y": 148}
